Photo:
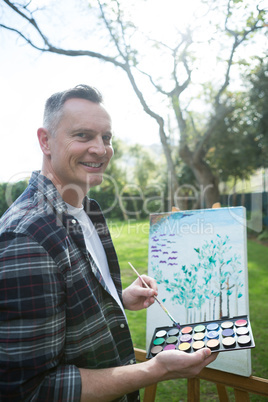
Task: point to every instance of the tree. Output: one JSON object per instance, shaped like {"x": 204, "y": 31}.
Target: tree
{"x": 130, "y": 183}
{"x": 242, "y": 136}
{"x": 113, "y": 180}
{"x": 235, "y": 23}
{"x": 258, "y": 96}
{"x": 9, "y": 192}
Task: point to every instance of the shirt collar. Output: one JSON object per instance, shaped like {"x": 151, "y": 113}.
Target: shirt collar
{"x": 47, "y": 189}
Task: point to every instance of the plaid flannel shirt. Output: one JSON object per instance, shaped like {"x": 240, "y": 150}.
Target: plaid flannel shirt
{"x": 56, "y": 313}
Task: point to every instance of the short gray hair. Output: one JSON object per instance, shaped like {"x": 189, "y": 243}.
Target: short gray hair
{"x": 54, "y": 104}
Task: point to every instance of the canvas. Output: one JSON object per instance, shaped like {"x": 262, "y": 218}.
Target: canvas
{"x": 199, "y": 260}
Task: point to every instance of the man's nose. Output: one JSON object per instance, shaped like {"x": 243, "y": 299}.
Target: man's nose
{"x": 97, "y": 147}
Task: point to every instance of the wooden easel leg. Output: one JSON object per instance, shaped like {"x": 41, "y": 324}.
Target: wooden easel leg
{"x": 241, "y": 396}
{"x": 222, "y": 393}
{"x": 193, "y": 385}
{"x": 149, "y": 393}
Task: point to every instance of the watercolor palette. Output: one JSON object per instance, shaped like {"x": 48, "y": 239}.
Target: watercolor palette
{"x": 218, "y": 335}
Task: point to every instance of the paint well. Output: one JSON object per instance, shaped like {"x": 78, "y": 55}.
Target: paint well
{"x": 199, "y": 336}
{"x": 241, "y": 323}
{"x": 173, "y": 332}
{"x": 185, "y": 347}
{"x": 242, "y": 331}
{"x": 170, "y": 347}
{"x": 187, "y": 330}
{"x": 244, "y": 340}
{"x": 159, "y": 341}
{"x": 228, "y": 342}
{"x": 200, "y": 328}
{"x": 212, "y": 334}
{"x": 156, "y": 349}
{"x": 172, "y": 339}
{"x": 227, "y": 332}
{"x": 161, "y": 334}
{"x": 198, "y": 345}
{"x": 213, "y": 326}
{"x": 185, "y": 338}
{"x": 227, "y": 324}
{"x": 213, "y": 344}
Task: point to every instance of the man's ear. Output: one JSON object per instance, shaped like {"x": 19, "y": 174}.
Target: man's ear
{"x": 43, "y": 137}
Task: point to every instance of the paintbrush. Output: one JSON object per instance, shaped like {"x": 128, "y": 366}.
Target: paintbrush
{"x": 158, "y": 301}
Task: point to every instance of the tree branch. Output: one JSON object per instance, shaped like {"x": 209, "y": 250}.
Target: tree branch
{"x": 48, "y": 47}
{"x": 109, "y": 28}
{"x": 236, "y": 43}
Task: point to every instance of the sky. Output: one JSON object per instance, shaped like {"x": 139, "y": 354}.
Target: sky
{"x": 28, "y": 77}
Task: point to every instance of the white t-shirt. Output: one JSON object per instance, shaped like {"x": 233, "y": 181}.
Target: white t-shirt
{"x": 95, "y": 248}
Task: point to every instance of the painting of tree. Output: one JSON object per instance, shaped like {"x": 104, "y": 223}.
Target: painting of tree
{"x": 199, "y": 260}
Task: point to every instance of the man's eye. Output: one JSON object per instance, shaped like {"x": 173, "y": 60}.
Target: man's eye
{"x": 107, "y": 138}
{"x": 81, "y": 135}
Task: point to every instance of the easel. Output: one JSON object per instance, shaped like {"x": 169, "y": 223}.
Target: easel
{"x": 242, "y": 385}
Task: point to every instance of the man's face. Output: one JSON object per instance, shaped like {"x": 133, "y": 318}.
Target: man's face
{"x": 81, "y": 148}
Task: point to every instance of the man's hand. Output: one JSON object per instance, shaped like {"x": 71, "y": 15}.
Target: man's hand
{"x": 176, "y": 364}
{"x": 105, "y": 385}
{"x": 137, "y": 296}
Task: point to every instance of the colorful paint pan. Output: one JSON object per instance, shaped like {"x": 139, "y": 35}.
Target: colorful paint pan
{"x": 173, "y": 332}
{"x": 228, "y": 342}
{"x": 213, "y": 344}
{"x": 218, "y": 335}
{"x": 198, "y": 345}
{"x": 242, "y": 331}
{"x": 227, "y": 324}
{"x": 185, "y": 347}
{"x": 159, "y": 341}
{"x": 160, "y": 334}
{"x": 213, "y": 327}
{"x": 241, "y": 323}
{"x": 185, "y": 338}
{"x": 213, "y": 335}
{"x": 187, "y": 330}
{"x": 199, "y": 328}
{"x": 199, "y": 336}
{"x": 172, "y": 339}
{"x": 244, "y": 340}
{"x": 227, "y": 332}
{"x": 170, "y": 347}
{"x": 156, "y": 349}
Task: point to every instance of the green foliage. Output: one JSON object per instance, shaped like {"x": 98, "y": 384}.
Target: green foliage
{"x": 258, "y": 97}
{"x": 239, "y": 145}
{"x": 134, "y": 184}
{"x": 9, "y": 192}
{"x": 263, "y": 236}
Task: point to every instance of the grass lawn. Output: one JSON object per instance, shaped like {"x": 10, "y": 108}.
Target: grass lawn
{"x": 131, "y": 243}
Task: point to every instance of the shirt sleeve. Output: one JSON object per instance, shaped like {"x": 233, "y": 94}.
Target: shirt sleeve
{"x": 32, "y": 325}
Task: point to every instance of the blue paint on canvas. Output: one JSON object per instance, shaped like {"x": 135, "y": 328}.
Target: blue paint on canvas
{"x": 199, "y": 261}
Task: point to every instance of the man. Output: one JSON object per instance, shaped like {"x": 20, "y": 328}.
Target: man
{"x": 64, "y": 334}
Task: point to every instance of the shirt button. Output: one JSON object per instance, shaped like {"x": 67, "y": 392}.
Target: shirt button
{"x": 73, "y": 221}
{"x": 59, "y": 210}
{"x": 131, "y": 361}
{"x": 122, "y": 325}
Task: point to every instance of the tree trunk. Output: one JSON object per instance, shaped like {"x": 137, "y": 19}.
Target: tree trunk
{"x": 209, "y": 188}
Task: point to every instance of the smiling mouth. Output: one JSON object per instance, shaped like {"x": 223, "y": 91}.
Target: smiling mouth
{"x": 92, "y": 165}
